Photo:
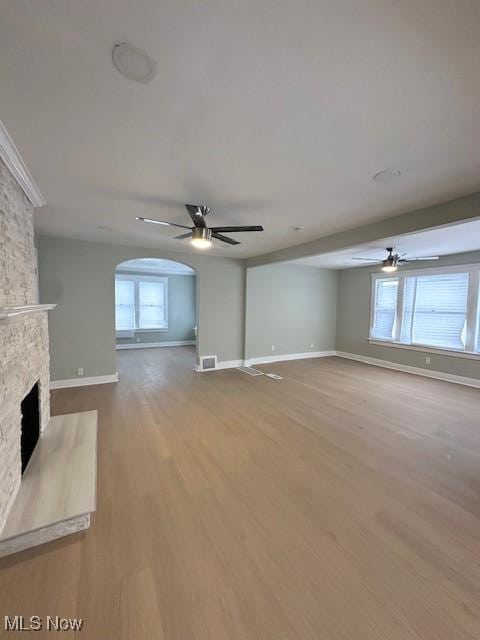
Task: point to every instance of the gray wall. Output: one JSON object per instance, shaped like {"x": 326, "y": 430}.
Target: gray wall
{"x": 79, "y": 277}
{"x": 290, "y": 307}
{"x": 181, "y": 312}
{"x": 353, "y": 322}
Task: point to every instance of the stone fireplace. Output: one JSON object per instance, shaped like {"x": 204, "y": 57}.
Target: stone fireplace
{"x": 24, "y": 358}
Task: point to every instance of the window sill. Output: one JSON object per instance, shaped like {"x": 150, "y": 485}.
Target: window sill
{"x": 411, "y": 347}
{"x": 132, "y": 332}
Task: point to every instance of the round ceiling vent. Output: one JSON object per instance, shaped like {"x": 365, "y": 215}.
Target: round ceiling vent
{"x": 387, "y": 175}
{"x": 133, "y": 63}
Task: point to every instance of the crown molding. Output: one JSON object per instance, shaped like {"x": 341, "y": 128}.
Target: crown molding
{"x": 17, "y": 167}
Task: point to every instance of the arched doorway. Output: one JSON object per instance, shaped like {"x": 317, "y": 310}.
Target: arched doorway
{"x": 155, "y": 308}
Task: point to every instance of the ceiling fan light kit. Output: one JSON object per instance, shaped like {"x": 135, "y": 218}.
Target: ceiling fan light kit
{"x": 201, "y": 238}
{"x": 389, "y": 268}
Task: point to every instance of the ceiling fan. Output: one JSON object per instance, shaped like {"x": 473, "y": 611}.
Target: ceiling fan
{"x": 200, "y": 235}
{"x": 394, "y": 260}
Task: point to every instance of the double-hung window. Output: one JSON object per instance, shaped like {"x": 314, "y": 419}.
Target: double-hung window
{"x": 435, "y": 308}
{"x": 141, "y": 303}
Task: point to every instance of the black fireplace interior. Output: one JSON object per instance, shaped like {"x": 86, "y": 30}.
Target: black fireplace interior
{"x": 30, "y": 425}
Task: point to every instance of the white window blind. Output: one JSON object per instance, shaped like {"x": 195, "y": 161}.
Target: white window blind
{"x": 385, "y": 309}
{"x": 477, "y": 326}
{"x": 151, "y": 303}
{"x": 124, "y": 305}
{"x": 435, "y": 310}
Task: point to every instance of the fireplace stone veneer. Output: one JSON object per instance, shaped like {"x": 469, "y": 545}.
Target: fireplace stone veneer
{"x": 24, "y": 357}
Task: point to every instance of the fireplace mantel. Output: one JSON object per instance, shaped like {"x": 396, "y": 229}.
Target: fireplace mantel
{"x": 8, "y": 312}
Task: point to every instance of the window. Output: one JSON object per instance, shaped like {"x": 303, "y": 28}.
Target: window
{"x": 385, "y": 308}
{"x": 140, "y": 303}
{"x": 437, "y": 308}
{"x": 151, "y": 305}
{"x": 124, "y": 305}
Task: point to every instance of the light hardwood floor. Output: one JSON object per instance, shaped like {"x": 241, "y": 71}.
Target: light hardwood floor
{"x": 340, "y": 503}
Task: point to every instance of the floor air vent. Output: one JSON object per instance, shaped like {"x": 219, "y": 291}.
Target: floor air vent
{"x": 208, "y": 362}
{"x": 251, "y": 371}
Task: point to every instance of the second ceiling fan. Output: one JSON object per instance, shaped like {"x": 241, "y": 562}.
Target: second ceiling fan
{"x": 394, "y": 260}
{"x": 200, "y": 235}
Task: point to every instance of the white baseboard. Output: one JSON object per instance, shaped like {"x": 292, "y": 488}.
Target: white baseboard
{"x": 288, "y": 356}
{"x": 83, "y": 382}
{"x": 150, "y": 345}
{"x": 427, "y": 373}
{"x": 229, "y": 364}
{"x": 234, "y": 364}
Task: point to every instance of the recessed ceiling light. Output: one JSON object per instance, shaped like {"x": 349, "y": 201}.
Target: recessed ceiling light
{"x": 133, "y": 63}
{"x": 387, "y": 175}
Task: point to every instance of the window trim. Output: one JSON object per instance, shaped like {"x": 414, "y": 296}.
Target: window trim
{"x": 136, "y": 278}
{"x": 472, "y": 316}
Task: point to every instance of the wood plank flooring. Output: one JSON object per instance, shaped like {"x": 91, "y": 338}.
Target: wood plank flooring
{"x": 340, "y": 503}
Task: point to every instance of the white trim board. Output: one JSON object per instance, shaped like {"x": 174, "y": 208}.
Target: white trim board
{"x": 17, "y": 167}
{"x": 427, "y": 373}
{"x": 83, "y": 382}
{"x": 288, "y": 356}
{"x": 148, "y": 345}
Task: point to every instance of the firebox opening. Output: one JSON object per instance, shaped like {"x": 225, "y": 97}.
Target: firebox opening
{"x": 30, "y": 425}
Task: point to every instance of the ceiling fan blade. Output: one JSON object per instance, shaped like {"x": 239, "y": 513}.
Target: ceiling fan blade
{"x": 196, "y": 215}
{"x": 256, "y": 227}
{"x": 368, "y": 259}
{"x": 183, "y": 236}
{"x": 161, "y": 222}
{"x": 422, "y": 258}
{"x": 219, "y": 236}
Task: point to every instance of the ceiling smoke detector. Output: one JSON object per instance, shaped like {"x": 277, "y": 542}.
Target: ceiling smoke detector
{"x": 387, "y": 175}
{"x": 133, "y": 63}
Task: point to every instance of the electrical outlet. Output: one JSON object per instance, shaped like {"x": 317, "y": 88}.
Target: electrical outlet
{"x": 311, "y": 345}
{"x": 80, "y": 371}
{"x": 427, "y": 359}
{"x": 273, "y": 347}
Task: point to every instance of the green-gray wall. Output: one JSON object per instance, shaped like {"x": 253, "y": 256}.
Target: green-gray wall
{"x": 240, "y": 312}
{"x": 353, "y": 322}
{"x": 290, "y": 307}
{"x": 79, "y": 277}
{"x": 181, "y": 313}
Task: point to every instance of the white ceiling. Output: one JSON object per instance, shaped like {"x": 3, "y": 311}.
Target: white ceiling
{"x": 435, "y": 242}
{"x": 155, "y": 265}
{"x": 272, "y": 112}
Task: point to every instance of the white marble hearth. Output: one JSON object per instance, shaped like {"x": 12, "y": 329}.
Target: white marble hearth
{"x": 58, "y": 489}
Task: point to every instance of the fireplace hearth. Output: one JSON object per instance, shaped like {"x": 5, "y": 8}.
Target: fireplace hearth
{"x": 30, "y": 425}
